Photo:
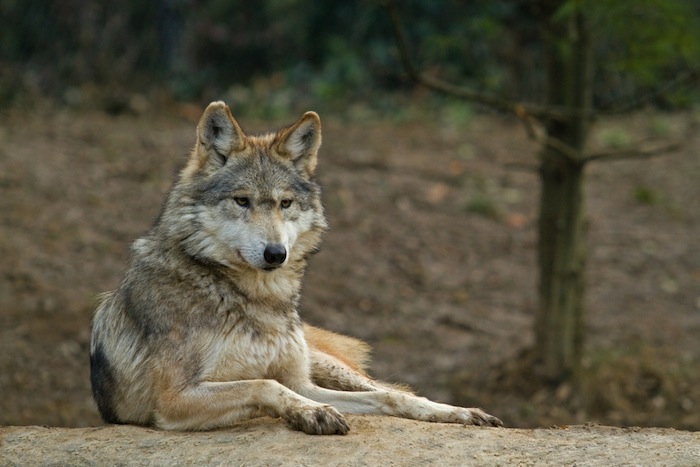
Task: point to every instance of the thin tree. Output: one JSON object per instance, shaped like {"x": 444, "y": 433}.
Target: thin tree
{"x": 562, "y": 125}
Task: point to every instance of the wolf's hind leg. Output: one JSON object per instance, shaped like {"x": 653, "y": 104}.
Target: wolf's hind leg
{"x": 398, "y": 404}
{"x": 211, "y": 405}
{"x": 329, "y": 372}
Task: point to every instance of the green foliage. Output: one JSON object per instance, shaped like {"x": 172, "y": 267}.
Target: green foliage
{"x": 51, "y": 44}
{"x": 652, "y": 35}
{"x": 331, "y": 50}
{"x": 640, "y": 44}
{"x": 342, "y": 70}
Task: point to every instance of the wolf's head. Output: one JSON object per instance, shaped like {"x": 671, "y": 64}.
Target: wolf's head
{"x": 248, "y": 201}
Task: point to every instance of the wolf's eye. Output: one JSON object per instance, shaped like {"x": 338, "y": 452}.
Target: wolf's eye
{"x": 242, "y": 201}
{"x": 285, "y": 203}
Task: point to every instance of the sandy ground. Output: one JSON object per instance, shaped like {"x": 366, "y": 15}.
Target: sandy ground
{"x": 372, "y": 441}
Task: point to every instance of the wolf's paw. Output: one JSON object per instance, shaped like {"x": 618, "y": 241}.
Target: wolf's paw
{"x": 318, "y": 420}
{"x": 473, "y": 417}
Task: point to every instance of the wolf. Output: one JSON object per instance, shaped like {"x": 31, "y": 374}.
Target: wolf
{"x": 203, "y": 329}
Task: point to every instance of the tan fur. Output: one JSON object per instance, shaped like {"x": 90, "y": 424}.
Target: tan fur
{"x": 203, "y": 330}
{"x": 352, "y": 352}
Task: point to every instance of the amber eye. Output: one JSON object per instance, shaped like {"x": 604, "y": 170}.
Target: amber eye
{"x": 285, "y": 203}
{"x": 242, "y": 201}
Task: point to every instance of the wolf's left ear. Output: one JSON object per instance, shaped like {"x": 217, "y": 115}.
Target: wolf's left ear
{"x": 218, "y": 135}
{"x": 300, "y": 142}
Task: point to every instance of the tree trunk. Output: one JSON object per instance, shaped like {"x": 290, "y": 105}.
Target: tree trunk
{"x": 558, "y": 323}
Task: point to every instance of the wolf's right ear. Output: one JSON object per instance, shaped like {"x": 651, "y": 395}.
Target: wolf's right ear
{"x": 218, "y": 135}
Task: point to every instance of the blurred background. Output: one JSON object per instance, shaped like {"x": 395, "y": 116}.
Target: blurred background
{"x": 433, "y": 199}
{"x": 277, "y": 55}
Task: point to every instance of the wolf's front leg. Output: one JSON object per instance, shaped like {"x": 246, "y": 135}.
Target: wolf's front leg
{"x": 211, "y": 405}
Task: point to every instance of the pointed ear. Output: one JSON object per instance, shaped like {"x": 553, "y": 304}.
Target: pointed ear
{"x": 218, "y": 135}
{"x": 300, "y": 142}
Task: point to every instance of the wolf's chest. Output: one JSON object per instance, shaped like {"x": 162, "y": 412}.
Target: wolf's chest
{"x": 254, "y": 348}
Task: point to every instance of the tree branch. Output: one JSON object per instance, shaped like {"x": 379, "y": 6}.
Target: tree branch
{"x": 634, "y": 153}
{"x": 648, "y": 151}
{"x": 544, "y": 139}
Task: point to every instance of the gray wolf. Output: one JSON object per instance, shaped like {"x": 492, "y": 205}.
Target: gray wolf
{"x": 203, "y": 330}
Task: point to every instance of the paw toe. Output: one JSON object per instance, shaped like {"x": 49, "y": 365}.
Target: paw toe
{"x": 481, "y": 418}
{"x": 324, "y": 420}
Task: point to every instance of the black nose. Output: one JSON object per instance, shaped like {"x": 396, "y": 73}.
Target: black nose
{"x": 275, "y": 254}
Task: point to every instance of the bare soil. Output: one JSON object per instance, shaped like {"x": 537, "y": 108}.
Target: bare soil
{"x": 371, "y": 441}
{"x": 431, "y": 258}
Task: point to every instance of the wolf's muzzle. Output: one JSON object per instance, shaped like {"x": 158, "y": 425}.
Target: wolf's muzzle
{"x": 275, "y": 254}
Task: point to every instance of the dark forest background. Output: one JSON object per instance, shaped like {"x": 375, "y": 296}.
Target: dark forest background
{"x": 274, "y": 55}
